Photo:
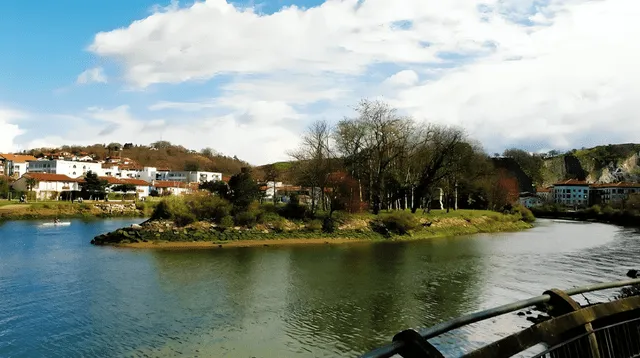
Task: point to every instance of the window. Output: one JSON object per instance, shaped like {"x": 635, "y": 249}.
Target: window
{"x": 74, "y": 173}
{"x": 74, "y": 166}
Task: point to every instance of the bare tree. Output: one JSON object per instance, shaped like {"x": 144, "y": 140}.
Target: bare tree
{"x": 314, "y": 159}
{"x": 433, "y": 154}
{"x": 271, "y": 175}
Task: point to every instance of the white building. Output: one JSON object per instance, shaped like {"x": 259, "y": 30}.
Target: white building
{"x": 172, "y": 187}
{"x": 64, "y": 167}
{"x": 48, "y": 186}
{"x": 191, "y": 177}
{"x": 142, "y": 187}
{"x": 571, "y": 192}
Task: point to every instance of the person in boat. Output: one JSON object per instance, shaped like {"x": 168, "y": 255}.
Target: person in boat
{"x": 56, "y": 221}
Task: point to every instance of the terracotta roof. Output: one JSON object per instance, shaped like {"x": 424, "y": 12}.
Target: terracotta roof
{"x": 572, "y": 182}
{"x": 51, "y": 177}
{"x": 169, "y": 184}
{"x": 226, "y": 178}
{"x": 111, "y": 180}
{"x": 17, "y": 158}
{"x": 617, "y": 185}
{"x": 137, "y": 182}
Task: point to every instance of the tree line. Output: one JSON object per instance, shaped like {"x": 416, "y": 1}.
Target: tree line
{"x": 394, "y": 162}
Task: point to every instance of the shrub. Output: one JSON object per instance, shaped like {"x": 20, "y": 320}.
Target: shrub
{"x": 329, "y": 225}
{"x": 340, "y": 217}
{"x": 274, "y": 221}
{"x": 525, "y": 214}
{"x": 140, "y": 205}
{"x": 173, "y": 208}
{"x": 608, "y": 210}
{"x": 246, "y": 218}
{"x": 398, "y": 222}
{"x": 208, "y": 207}
{"x": 226, "y": 222}
{"x": 314, "y": 225}
{"x": 294, "y": 210}
{"x": 594, "y": 210}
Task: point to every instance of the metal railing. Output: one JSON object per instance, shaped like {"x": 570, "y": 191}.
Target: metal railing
{"x": 620, "y": 339}
{"x": 414, "y": 343}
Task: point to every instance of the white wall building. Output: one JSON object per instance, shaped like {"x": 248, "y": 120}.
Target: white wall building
{"x": 64, "y": 167}
{"x": 571, "y": 192}
{"x": 48, "y": 186}
{"x": 191, "y": 177}
{"x": 15, "y": 165}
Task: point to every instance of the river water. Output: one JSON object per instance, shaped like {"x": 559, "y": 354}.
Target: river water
{"x": 62, "y": 297}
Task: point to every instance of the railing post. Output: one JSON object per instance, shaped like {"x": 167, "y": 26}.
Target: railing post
{"x": 416, "y": 346}
{"x": 561, "y": 304}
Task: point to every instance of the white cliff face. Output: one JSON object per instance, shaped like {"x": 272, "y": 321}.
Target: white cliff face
{"x": 627, "y": 170}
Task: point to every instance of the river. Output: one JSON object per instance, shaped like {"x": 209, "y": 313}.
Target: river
{"x": 62, "y": 297}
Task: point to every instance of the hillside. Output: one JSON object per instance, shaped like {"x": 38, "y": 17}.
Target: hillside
{"x": 602, "y": 164}
{"x": 160, "y": 154}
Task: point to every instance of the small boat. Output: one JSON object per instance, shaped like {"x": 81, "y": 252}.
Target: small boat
{"x": 60, "y": 223}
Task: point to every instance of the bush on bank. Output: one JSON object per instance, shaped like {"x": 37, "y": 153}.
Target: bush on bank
{"x": 295, "y": 217}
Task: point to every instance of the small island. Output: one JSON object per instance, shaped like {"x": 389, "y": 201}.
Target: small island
{"x": 230, "y": 215}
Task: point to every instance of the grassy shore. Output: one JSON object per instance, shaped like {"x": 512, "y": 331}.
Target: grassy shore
{"x": 12, "y": 210}
{"x": 352, "y": 228}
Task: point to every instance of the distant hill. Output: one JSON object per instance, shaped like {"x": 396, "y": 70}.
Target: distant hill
{"x": 160, "y": 154}
{"x": 601, "y": 164}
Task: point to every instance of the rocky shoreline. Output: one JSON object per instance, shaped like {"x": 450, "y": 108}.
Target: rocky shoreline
{"x": 71, "y": 210}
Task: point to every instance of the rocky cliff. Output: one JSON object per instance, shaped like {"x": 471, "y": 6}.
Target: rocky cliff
{"x": 602, "y": 164}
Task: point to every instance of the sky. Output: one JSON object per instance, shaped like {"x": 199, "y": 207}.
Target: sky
{"x": 246, "y": 78}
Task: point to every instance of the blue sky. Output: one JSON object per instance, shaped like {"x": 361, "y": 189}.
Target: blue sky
{"x": 245, "y": 78}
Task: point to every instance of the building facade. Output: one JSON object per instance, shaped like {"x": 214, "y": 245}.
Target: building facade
{"x": 71, "y": 169}
{"x": 15, "y": 165}
{"x": 613, "y": 193}
{"x": 572, "y": 193}
{"x": 48, "y": 186}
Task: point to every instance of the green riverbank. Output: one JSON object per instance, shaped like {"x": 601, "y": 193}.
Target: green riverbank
{"x": 67, "y": 210}
{"x": 351, "y": 228}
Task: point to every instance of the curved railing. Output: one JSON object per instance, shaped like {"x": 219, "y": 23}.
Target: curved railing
{"x": 568, "y": 321}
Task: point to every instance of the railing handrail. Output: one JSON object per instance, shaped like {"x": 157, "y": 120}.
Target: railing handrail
{"x": 393, "y": 348}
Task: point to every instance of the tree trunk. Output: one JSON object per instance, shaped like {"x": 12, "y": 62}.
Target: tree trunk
{"x": 455, "y": 197}
{"x": 274, "y": 193}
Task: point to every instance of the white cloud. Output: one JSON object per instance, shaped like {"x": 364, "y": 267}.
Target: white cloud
{"x": 575, "y": 85}
{"x": 340, "y": 36}
{"x": 92, "y": 75}
{"x": 563, "y": 75}
{"x": 403, "y": 78}
{"x": 9, "y": 130}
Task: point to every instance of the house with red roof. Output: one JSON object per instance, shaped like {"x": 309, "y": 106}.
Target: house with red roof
{"x": 47, "y": 185}
{"x": 14, "y": 165}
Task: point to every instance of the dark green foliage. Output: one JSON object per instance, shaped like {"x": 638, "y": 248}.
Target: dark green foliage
{"x": 124, "y": 188}
{"x": 93, "y": 185}
{"x": 154, "y": 193}
{"x": 216, "y": 187}
{"x": 243, "y": 190}
{"x": 246, "y": 218}
{"x": 329, "y": 225}
{"x": 227, "y": 222}
{"x": 294, "y": 210}
{"x": 192, "y": 166}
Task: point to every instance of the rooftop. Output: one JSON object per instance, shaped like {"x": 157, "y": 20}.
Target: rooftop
{"x": 572, "y": 182}
{"x": 51, "y": 177}
{"x": 17, "y": 158}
